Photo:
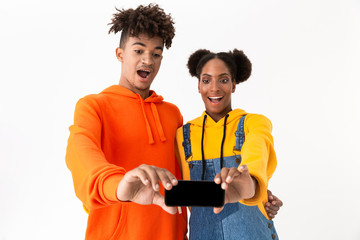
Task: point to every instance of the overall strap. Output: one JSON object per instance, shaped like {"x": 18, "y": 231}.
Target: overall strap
{"x": 240, "y": 134}
{"x": 186, "y": 143}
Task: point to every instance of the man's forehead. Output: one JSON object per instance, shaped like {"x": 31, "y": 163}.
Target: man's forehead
{"x": 145, "y": 39}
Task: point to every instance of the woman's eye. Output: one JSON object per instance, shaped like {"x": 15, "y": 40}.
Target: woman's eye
{"x": 225, "y": 80}
{"x": 205, "y": 81}
{"x": 156, "y": 55}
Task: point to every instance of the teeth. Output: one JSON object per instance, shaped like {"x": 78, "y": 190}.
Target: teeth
{"x": 214, "y": 98}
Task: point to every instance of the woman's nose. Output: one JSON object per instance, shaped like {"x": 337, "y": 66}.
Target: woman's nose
{"x": 214, "y": 86}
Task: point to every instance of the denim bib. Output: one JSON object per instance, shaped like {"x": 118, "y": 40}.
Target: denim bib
{"x": 235, "y": 221}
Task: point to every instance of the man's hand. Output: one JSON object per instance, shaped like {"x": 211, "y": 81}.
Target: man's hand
{"x": 237, "y": 183}
{"x": 273, "y": 205}
{"x": 141, "y": 185}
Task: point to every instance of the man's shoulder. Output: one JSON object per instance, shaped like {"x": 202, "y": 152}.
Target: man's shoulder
{"x": 90, "y": 98}
{"x": 170, "y": 105}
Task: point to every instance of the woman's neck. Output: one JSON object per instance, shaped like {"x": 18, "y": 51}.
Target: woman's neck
{"x": 218, "y": 116}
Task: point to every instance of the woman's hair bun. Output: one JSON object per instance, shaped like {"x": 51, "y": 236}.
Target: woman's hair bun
{"x": 243, "y": 65}
{"x": 194, "y": 60}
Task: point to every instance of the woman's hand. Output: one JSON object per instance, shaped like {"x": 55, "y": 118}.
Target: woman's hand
{"x": 237, "y": 183}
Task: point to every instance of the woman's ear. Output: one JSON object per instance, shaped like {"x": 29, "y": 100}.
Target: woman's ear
{"x": 233, "y": 86}
{"x": 199, "y": 86}
{"x": 119, "y": 54}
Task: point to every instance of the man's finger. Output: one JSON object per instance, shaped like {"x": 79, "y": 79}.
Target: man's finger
{"x": 270, "y": 196}
{"x": 271, "y": 211}
{"x": 165, "y": 177}
{"x": 153, "y": 176}
{"x": 135, "y": 175}
{"x": 276, "y": 201}
{"x": 159, "y": 200}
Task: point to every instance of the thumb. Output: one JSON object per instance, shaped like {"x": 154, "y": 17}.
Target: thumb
{"x": 159, "y": 200}
{"x": 218, "y": 210}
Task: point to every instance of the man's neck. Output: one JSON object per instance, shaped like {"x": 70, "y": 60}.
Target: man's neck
{"x": 144, "y": 94}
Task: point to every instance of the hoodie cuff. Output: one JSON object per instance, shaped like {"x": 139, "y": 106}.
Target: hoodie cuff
{"x": 110, "y": 187}
{"x": 260, "y": 191}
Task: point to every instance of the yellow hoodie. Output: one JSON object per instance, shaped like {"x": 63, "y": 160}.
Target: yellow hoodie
{"x": 257, "y": 151}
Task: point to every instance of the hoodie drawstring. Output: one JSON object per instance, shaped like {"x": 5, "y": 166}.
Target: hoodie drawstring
{"x": 202, "y": 146}
{"x": 202, "y": 149}
{"x": 157, "y": 122}
{"x": 151, "y": 139}
{"x": 222, "y": 143}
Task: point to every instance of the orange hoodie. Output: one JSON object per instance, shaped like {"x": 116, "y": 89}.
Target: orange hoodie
{"x": 113, "y": 132}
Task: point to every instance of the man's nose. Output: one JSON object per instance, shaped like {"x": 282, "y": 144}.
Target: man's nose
{"x": 147, "y": 59}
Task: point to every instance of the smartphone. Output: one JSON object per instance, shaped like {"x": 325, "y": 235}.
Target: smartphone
{"x": 195, "y": 193}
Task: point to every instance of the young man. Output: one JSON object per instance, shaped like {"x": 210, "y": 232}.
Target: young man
{"x": 121, "y": 144}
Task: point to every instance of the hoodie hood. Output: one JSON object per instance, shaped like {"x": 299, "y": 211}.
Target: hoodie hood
{"x": 234, "y": 115}
{"x": 153, "y": 99}
{"x": 117, "y": 89}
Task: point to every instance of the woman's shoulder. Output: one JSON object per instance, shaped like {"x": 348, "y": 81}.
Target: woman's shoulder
{"x": 255, "y": 120}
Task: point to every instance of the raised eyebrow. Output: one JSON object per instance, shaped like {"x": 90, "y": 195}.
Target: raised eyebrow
{"x": 206, "y": 74}
{"x": 159, "y": 48}
{"x": 224, "y": 74}
{"x": 143, "y": 45}
{"x": 220, "y": 75}
{"x": 139, "y": 43}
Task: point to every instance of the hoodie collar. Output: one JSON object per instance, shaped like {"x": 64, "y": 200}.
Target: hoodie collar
{"x": 233, "y": 115}
{"x": 120, "y": 90}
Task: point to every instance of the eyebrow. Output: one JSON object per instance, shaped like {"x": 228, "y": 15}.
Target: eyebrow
{"x": 142, "y": 44}
{"x": 220, "y": 75}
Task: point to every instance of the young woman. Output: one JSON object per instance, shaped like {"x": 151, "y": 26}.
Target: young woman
{"x": 231, "y": 147}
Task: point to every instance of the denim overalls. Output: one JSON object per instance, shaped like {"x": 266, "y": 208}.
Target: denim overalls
{"x": 235, "y": 221}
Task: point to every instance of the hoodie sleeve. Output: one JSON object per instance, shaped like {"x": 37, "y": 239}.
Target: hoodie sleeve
{"x": 258, "y": 154}
{"x": 95, "y": 179}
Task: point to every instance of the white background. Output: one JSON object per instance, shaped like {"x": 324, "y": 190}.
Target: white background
{"x": 306, "y": 58}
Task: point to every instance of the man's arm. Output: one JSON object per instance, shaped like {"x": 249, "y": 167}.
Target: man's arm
{"x": 95, "y": 179}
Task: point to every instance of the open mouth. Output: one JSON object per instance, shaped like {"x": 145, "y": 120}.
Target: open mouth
{"x": 215, "y": 99}
{"x": 143, "y": 73}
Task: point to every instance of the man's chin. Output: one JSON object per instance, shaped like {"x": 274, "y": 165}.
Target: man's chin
{"x": 143, "y": 85}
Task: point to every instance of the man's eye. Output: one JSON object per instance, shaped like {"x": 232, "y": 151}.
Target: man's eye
{"x": 138, "y": 51}
{"x": 205, "y": 81}
{"x": 156, "y": 55}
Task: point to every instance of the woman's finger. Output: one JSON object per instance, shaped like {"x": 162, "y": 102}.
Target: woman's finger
{"x": 223, "y": 175}
{"x": 218, "y": 210}
{"x": 233, "y": 173}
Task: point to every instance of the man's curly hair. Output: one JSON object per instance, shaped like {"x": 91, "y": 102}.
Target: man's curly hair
{"x": 150, "y": 20}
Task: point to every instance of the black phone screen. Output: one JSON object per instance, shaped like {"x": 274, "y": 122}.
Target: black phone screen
{"x": 195, "y": 193}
